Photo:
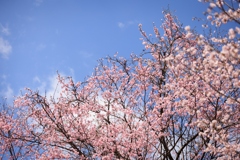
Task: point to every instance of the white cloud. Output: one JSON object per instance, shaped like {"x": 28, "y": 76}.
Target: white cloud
{"x": 54, "y": 87}
{"x": 7, "y": 93}
{"x": 36, "y": 79}
{"x": 5, "y": 30}
{"x": 49, "y": 86}
{"x": 72, "y": 73}
{"x": 41, "y": 85}
{"x": 126, "y": 24}
{"x": 121, "y": 25}
{"x": 5, "y": 48}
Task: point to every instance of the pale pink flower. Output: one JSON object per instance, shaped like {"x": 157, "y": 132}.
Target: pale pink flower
{"x": 212, "y": 5}
{"x": 231, "y": 33}
{"x": 187, "y": 28}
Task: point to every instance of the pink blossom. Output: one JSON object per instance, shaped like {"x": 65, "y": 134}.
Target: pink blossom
{"x": 187, "y": 28}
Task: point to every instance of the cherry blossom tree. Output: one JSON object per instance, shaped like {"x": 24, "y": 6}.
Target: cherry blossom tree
{"x": 180, "y": 99}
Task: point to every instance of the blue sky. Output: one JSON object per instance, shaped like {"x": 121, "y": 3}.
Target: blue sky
{"x": 40, "y": 37}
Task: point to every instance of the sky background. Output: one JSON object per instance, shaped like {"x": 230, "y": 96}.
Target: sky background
{"x": 40, "y": 37}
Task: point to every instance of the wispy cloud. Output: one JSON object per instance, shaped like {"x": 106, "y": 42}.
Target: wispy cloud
{"x": 7, "y": 93}
{"x": 6, "y": 90}
{"x": 5, "y": 48}
{"x": 5, "y": 30}
{"x": 126, "y": 24}
{"x": 41, "y": 85}
{"x": 121, "y": 25}
{"x": 54, "y": 87}
{"x": 4, "y": 77}
{"x": 72, "y": 72}
{"x": 49, "y": 86}
{"x": 36, "y": 79}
